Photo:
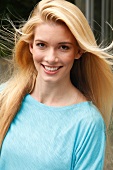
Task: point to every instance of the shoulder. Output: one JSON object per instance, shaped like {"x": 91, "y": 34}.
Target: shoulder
{"x": 89, "y": 116}
{"x": 90, "y": 126}
{"x": 89, "y": 145}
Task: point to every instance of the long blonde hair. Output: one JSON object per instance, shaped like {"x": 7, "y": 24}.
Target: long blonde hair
{"x": 91, "y": 74}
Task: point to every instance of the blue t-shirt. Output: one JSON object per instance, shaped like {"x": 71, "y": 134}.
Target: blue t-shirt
{"x": 44, "y": 137}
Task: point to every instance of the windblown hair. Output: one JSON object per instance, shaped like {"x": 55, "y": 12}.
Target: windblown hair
{"x": 91, "y": 74}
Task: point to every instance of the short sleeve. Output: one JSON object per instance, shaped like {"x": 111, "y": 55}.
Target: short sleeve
{"x": 89, "y": 149}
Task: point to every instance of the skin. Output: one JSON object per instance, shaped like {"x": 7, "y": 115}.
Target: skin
{"x": 54, "y": 50}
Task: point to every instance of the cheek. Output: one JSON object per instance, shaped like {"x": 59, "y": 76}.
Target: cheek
{"x": 37, "y": 56}
{"x": 69, "y": 59}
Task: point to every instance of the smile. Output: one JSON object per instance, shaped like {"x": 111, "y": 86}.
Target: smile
{"x": 51, "y": 68}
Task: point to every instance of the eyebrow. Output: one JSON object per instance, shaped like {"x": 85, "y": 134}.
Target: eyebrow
{"x": 64, "y": 42}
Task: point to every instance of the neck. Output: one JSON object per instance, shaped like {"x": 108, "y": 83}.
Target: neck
{"x": 54, "y": 93}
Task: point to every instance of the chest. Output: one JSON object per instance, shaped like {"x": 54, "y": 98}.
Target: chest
{"x": 38, "y": 142}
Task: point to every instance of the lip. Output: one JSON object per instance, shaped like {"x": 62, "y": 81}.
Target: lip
{"x": 51, "y": 69}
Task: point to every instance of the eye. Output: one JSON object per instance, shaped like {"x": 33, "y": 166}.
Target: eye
{"x": 41, "y": 45}
{"x": 64, "y": 47}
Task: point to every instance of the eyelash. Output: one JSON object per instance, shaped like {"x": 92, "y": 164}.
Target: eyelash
{"x": 62, "y": 47}
{"x": 41, "y": 45}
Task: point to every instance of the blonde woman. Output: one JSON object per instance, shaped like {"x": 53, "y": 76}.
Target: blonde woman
{"x": 55, "y": 108}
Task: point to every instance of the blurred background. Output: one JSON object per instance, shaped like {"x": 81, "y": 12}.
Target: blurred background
{"x": 99, "y": 14}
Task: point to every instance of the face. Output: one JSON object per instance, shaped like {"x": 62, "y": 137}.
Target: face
{"x": 54, "y": 49}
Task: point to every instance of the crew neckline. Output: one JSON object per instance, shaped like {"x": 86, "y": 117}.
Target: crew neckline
{"x": 58, "y": 107}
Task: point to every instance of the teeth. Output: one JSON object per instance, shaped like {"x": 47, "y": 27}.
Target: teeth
{"x": 51, "y": 68}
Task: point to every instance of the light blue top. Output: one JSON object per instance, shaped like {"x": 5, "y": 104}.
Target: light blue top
{"x": 44, "y": 137}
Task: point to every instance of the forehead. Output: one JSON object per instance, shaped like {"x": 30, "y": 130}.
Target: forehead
{"x": 51, "y": 30}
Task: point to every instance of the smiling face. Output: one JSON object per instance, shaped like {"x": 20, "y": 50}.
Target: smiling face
{"x": 54, "y": 49}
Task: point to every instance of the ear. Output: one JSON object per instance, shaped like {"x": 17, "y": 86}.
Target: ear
{"x": 31, "y": 47}
{"x": 79, "y": 53}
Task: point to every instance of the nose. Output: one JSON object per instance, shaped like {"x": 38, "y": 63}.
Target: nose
{"x": 51, "y": 56}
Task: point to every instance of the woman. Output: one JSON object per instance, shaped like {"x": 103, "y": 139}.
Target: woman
{"x": 55, "y": 106}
